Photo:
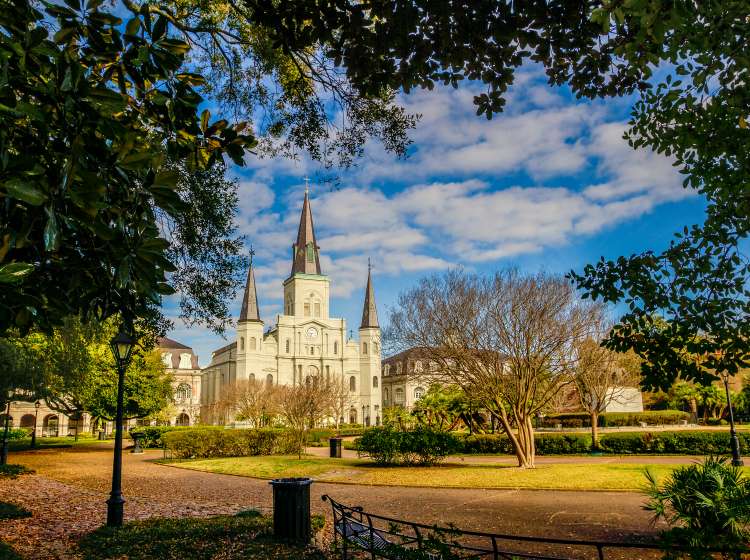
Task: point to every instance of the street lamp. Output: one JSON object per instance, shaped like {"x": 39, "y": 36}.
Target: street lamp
{"x": 122, "y": 347}
{"x": 37, "y": 404}
{"x": 4, "y": 452}
{"x": 734, "y": 441}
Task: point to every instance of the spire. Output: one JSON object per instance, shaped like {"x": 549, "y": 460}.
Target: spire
{"x": 369, "y": 311}
{"x": 306, "y": 256}
{"x": 249, "y": 310}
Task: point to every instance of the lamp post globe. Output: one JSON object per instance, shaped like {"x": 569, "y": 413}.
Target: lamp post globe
{"x": 122, "y": 347}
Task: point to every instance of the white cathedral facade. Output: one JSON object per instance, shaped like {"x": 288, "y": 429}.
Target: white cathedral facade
{"x": 306, "y": 341}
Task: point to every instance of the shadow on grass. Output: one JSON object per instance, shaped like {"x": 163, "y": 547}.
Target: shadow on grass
{"x": 7, "y": 553}
{"x": 12, "y": 511}
{"x": 245, "y": 535}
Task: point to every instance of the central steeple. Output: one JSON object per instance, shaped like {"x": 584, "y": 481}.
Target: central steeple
{"x": 305, "y": 252}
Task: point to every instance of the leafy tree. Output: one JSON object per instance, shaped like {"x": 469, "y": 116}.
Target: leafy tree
{"x": 23, "y": 375}
{"x": 90, "y": 117}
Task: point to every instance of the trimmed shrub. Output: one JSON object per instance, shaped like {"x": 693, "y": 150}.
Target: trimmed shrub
{"x": 387, "y": 446}
{"x": 679, "y": 443}
{"x": 546, "y": 444}
{"x": 152, "y": 436}
{"x": 322, "y": 435}
{"x": 16, "y": 433}
{"x": 615, "y": 419}
{"x": 204, "y": 443}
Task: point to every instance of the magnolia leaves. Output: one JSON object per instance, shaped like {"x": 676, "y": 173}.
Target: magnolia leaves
{"x": 12, "y": 273}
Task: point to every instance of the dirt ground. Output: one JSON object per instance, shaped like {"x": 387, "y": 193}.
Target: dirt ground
{"x": 67, "y": 497}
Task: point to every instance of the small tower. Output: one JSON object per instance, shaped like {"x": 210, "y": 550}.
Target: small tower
{"x": 249, "y": 327}
{"x": 369, "y": 357}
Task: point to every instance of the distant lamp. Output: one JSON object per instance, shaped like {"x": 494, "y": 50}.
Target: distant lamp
{"x": 37, "y": 405}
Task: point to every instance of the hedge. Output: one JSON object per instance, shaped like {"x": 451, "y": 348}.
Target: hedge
{"x": 614, "y": 419}
{"x": 693, "y": 442}
{"x": 204, "y": 443}
{"x": 152, "y": 436}
{"x": 16, "y": 433}
{"x": 387, "y": 446}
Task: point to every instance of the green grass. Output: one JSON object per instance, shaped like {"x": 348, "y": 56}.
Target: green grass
{"x": 12, "y": 511}
{"x": 448, "y": 475}
{"x": 14, "y": 471}
{"x": 50, "y": 443}
{"x": 246, "y": 535}
{"x": 7, "y": 553}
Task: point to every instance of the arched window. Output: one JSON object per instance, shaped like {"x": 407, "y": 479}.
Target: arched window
{"x": 50, "y": 425}
{"x": 269, "y": 378}
{"x": 418, "y": 393}
{"x": 398, "y": 395}
{"x": 167, "y": 357}
{"x": 398, "y": 368}
{"x": 352, "y": 415}
{"x": 183, "y": 392}
{"x": 386, "y": 396}
{"x": 288, "y": 344}
{"x": 374, "y": 347}
{"x": 374, "y": 381}
{"x": 364, "y": 348}
{"x": 253, "y": 343}
{"x": 252, "y": 378}
{"x": 242, "y": 343}
{"x": 335, "y": 347}
{"x": 27, "y": 421}
{"x": 352, "y": 384}
{"x": 307, "y": 309}
{"x": 317, "y": 309}
{"x": 183, "y": 420}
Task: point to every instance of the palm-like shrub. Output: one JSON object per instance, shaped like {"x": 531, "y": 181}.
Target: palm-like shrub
{"x": 707, "y": 505}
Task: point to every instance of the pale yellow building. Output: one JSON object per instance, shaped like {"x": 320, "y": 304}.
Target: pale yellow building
{"x": 306, "y": 341}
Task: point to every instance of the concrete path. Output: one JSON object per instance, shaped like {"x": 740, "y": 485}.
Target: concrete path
{"x": 564, "y": 514}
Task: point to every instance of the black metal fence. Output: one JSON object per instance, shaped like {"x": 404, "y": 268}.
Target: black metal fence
{"x": 360, "y": 534}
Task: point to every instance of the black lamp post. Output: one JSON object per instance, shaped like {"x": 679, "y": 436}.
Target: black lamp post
{"x": 122, "y": 347}
{"x": 37, "y": 404}
{"x": 4, "y": 452}
{"x": 734, "y": 441}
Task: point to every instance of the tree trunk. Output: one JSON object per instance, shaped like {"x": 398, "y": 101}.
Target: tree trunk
{"x": 522, "y": 442}
{"x": 594, "y": 431}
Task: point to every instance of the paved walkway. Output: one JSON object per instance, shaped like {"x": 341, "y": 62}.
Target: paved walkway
{"x": 564, "y": 514}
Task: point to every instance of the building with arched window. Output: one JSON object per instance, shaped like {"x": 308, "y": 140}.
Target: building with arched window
{"x": 305, "y": 342}
{"x": 406, "y": 377}
{"x": 182, "y": 363}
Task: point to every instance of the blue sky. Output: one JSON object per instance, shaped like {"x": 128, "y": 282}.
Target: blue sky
{"x": 549, "y": 184}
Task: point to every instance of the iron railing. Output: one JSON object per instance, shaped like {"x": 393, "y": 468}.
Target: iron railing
{"x": 360, "y": 534}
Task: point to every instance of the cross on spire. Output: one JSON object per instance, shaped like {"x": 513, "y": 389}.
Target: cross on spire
{"x": 252, "y": 254}
{"x": 307, "y": 185}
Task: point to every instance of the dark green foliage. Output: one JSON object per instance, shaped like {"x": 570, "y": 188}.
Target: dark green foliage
{"x": 14, "y": 471}
{"x": 151, "y": 436}
{"x": 12, "y": 511}
{"x": 239, "y": 536}
{"x": 614, "y": 419}
{"x": 421, "y": 446}
{"x": 706, "y": 505}
{"x": 322, "y": 435}
{"x": 7, "y": 553}
{"x": 204, "y": 443}
{"x": 90, "y": 113}
{"x": 14, "y": 433}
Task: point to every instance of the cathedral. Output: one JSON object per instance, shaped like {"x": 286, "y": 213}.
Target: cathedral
{"x": 306, "y": 341}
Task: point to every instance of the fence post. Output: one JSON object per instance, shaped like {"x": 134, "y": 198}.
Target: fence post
{"x": 291, "y": 509}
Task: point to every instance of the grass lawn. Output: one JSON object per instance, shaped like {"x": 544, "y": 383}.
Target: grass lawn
{"x": 50, "y": 443}
{"x": 448, "y": 475}
{"x": 245, "y": 535}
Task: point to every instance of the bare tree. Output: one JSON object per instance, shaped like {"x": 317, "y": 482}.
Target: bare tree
{"x": 602, "y": 377}
{"x": 304, "y": 406}
{"x": 340, "y": 399}
{"x": 508, "y": 340}
{"x": 254, "y": 402}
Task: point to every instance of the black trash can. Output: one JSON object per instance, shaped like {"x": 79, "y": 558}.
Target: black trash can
{"x": 101, "y": 435}
{"x": 335, "y": 443}
{"x": 291, "y": 509}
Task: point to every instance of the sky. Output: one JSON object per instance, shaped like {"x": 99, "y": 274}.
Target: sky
{"x": 549, "y": 184}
